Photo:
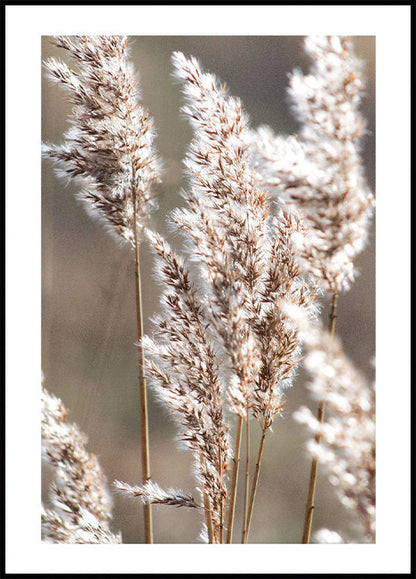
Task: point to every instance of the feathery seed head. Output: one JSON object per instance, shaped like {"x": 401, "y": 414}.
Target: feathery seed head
{"x": 109, "y": 147}
{"x": 347, "y": 444}
{"x": 319, "y": 174}
{"x": 81, "y": 503}
{"x": 151, "y": 493}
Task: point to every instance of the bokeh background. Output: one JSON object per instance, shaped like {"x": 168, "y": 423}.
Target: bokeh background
{"x": 88, "y": 328}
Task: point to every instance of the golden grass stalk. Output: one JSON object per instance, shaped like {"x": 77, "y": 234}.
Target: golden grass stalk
{"x": 246, "y": 482}
{"x": 310, "y": 504}
{"x": 254, "y": 486}
{"x": 234, "y": 481}
{"x": 144, "y": 419}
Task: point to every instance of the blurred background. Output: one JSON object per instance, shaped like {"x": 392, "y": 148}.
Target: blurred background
{"x": 88, "y": 328}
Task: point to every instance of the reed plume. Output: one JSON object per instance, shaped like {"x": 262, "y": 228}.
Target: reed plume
{"x": 320, "y": 172}
{"x": 151, "y": 493}
{"x": 110, "y": 151}
{"x": 109, "y": 148}
{"x": 184, "y": 367}
{"x": 345, "y": 444}
{"x": 81, "y": 503}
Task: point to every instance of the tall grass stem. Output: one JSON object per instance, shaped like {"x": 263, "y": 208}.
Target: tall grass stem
{"x": 310, "y": 506}
{"x": 144, "y": 421}
{"x": 233, "y": 493}
{"x": 254, "y": 484}
{"x": 247, "y": 480}
{"x": 207, "y": 509}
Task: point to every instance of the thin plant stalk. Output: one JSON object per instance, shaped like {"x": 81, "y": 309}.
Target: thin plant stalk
{"x": 310, "y": 506}
{"x": 207, "y": 509}
{"x": 254, "y": 485}
{"x": 247, "y": 480}
{"x": 222, "y": 508}
{"x": 233, "y": 492}
{"x": 208, "y": 519}
{"x": 144, "y": 422}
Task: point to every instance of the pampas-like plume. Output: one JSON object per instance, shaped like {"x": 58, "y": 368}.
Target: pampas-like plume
{"x": 320, "y": 173}
{"x": 109, "y": 146}
{"x": 225, "y": 219}
{"x": 153, "y": 494}
{"x": 81, "y": 504}
{"x": 184, "y": 368}
{"x": 345, "y": 444}
{"x": 277, "y": 338}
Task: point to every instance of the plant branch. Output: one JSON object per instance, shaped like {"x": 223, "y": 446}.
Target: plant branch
{"x": 223, "y": 499}
{"x": 207, "y": 509}
{"x": 247, "y": 479}
{"x": 310, "y": 506}
{"x": 233, "y": 494}
{"x": 254, "y": 484}
{"x": 148, "y": 524}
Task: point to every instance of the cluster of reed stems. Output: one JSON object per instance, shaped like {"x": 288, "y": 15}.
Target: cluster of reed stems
{"x": 269, "y": 225}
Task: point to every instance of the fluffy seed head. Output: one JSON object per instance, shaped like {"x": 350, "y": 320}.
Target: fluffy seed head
{"x": 109, "y": 148}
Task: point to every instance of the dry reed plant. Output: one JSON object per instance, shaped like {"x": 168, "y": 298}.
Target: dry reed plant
{"x": 81, "y": 503}
{"x": 319, "y": 173}
{"x": 109, "y": 146}
{"x": 269, "y": 224}
{"x": 109, "y": 149}
{"x": 345, "y": 443}
{"x": 245, "y": 267}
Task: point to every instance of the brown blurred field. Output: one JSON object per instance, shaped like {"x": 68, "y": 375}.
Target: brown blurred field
{"x": 88, "y": 328}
